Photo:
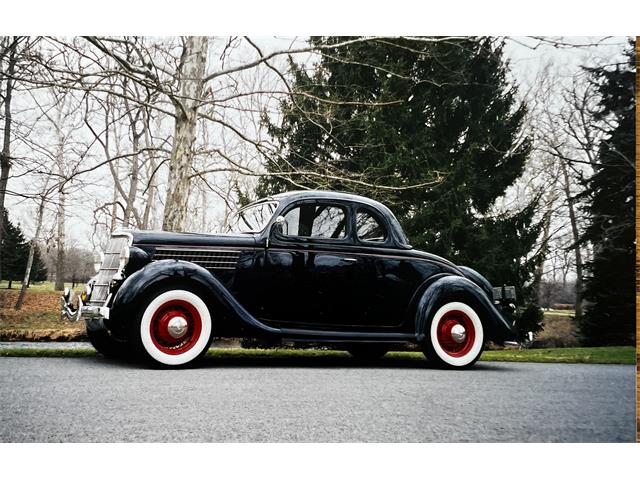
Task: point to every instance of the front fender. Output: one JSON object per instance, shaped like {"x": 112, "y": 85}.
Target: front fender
{"x": 454, "y": 288}
{"x": 136, "y": 287}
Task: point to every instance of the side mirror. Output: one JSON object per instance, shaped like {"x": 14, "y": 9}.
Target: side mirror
{"x": 279, "y": 227}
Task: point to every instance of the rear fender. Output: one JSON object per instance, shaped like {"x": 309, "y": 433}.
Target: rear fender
{"x": 159, "y": 274}
{"x": 454, "y": 288}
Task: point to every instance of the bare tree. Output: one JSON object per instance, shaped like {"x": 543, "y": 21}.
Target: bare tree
{"x": 571, "y": 137}
{"x": 33, "y": 245}
{"x": 190, "y": 78}
{"x": 9, "y": 48}
{"x": 191, "y": 90}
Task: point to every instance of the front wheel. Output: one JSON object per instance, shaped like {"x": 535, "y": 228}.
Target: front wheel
{"x": 456, "y": 337}
{"x": 173, "y": 328}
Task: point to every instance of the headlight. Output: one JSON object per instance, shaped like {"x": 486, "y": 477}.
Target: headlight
{"x": 124, "y": 258}
{"x": 98, "y": 257}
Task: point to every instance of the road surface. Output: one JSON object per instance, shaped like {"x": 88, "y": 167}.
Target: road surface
{"x": 313, "y": 400}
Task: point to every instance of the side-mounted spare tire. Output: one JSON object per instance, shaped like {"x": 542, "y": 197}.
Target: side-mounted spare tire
{"x": 173, "y": 327}
{"x": 454, "y": 336}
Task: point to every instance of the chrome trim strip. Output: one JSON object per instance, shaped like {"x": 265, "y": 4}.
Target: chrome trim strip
{"x": 207, "y": 248}
{"x": 351, "y": 252}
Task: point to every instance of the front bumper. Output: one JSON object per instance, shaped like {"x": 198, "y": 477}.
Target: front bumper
{"x": 92, "y": 313}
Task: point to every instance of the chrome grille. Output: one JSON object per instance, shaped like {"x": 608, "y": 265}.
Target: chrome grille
{"x": 108, "y": 269}
{"x": 209, "y": 259}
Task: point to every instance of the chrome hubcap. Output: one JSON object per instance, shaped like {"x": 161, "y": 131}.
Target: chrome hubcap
{"x": 177, "y": 327}
{"x": 458, "y": 333}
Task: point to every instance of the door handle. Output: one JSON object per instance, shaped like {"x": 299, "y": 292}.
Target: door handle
{"x": 349, "y": 259}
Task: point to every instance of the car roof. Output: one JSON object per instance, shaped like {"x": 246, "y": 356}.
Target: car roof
{"x": 325, "y": 195}
{"x": 295, "y": 195}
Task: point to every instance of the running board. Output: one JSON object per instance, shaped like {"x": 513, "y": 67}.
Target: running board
{"x": 294, "y": 334}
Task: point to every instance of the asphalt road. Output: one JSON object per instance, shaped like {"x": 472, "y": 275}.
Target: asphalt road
{"x": 315, "y": 400}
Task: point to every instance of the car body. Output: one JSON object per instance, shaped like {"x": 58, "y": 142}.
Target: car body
{"x": 319, "y": 267}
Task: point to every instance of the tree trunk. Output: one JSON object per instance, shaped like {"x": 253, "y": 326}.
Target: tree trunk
{"x": 32, "y": 248}
{"x": 576, "y": 239}
{"x": 150, "y": 195}
{"x": 114, "y": 208}
{"x": 203, "y": 199}
{"x": 133, "y": 177}
{"x": 190, "y": 77}
{"x": 539, "y": 271}
{"x": 59, "y": 285}
{"x": 133, "y": 182}
{"x": 5, "y": 154}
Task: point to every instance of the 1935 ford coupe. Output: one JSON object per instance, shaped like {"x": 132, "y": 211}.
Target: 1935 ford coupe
{"x": 325, "y": 268}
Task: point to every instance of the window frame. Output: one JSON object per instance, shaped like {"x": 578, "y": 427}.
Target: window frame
{"x": 379, "y": 218}
{"x": 346, "y": 240}
{"x": 267, "y": 224}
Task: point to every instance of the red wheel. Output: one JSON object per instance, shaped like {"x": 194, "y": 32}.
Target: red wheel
{"x": 175, "y": 327}
{"x": 456, "y": 336}
{"x": 456, "y": 333}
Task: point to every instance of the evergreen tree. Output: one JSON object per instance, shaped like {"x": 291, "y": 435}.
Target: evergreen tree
{"x": 14, "y": 251}
{"x": 38, "y": 269}
{"x": 609, "y": 318}
{"x": 406, "y": 112}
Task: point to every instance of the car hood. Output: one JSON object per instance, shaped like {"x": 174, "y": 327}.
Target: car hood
{"x": 161, "y": 238}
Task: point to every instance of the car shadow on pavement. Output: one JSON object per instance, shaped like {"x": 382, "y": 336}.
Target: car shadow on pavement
{"x": 284, "y": 361}
{"x": 319, "y": 361}
{"x": 330, "y": 362}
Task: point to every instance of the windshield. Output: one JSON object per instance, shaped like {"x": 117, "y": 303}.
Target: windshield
{"x": 252, "y": 219}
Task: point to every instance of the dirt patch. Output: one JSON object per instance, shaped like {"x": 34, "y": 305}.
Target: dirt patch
{"x": 559, "y": 331}
{"x": 66, "y": 335}
{"x": 38, "y": 320}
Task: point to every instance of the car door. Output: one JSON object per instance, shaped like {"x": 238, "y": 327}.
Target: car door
{"x": 386, "y": 281}
{"x": 313, "y": 261}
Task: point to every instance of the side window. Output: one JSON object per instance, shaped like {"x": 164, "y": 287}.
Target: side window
{"x": 316, "y": 221}
{"x": 369, "y": 228}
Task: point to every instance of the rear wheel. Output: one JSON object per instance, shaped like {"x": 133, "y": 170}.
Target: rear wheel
{"x": 173, "y": 328}
{"x": 456, "y": 337}
{"x": 107, "y": 345}
{"x": 367, "y": 352}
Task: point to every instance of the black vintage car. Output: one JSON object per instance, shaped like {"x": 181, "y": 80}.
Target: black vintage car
{"x": 320, "y": 267}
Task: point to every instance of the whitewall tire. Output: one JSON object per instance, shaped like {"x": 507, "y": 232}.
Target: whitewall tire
{"x": 456, "y": 336}
{"x": 175, "y": 327}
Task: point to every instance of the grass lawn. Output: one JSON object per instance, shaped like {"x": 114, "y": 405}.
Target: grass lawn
{"x": 559, "y": 313}
{"x": 610, "y": 355}
{"x": 622, "y": 355}
{"x": 39, "y": 286}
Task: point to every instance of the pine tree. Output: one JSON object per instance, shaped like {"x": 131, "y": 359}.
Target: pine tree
{"x": 14, "y": 251}
{"x": 38, "y": 269}
{"x": 609, "y": 318}
{"x": 404, "y": 112}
